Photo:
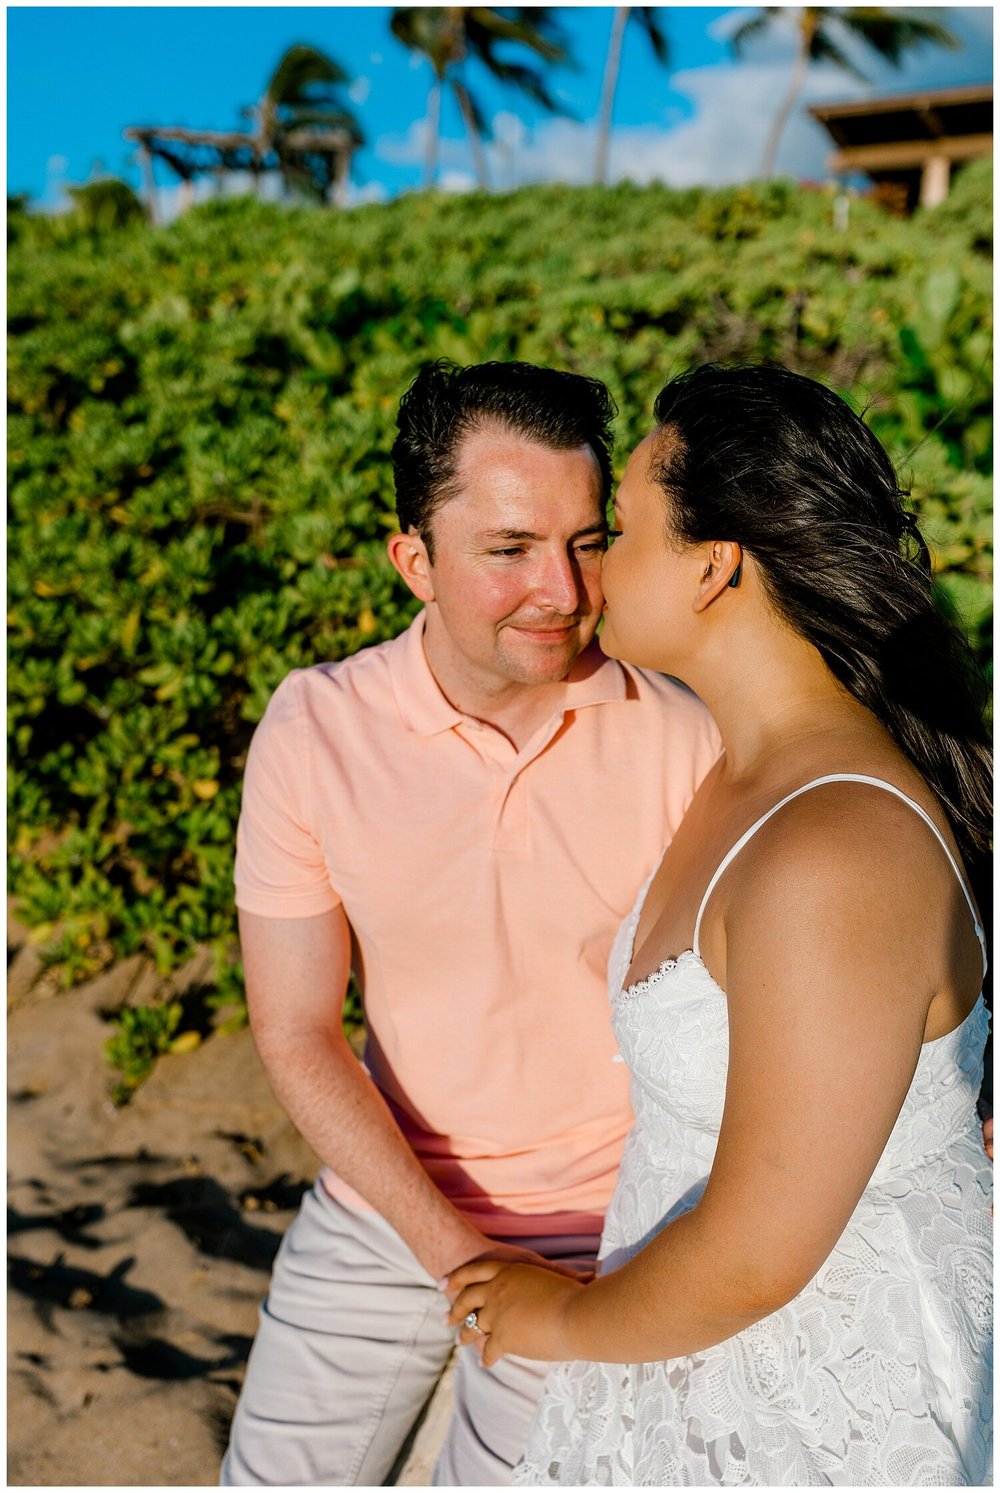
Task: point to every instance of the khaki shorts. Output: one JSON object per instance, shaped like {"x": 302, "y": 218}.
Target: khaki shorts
{"x": 352, "y": 1341}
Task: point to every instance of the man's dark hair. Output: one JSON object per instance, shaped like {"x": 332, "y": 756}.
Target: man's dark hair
{"x": 445, "y": 403}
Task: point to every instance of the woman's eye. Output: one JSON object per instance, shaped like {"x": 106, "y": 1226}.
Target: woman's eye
{"x": 614, "y": 534}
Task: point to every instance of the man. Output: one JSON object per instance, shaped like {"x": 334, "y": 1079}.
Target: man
{"x": 464, "y": 814}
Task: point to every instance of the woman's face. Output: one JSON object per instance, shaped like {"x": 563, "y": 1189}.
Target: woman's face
{"x": 647, "y": 581}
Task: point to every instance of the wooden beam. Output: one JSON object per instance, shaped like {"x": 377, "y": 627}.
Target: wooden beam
{"x": 932, "y": 120}
{"x": 896, "y": 103}
{"x": 903, "y": 153}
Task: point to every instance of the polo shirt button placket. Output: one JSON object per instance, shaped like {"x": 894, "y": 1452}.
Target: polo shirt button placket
{"x": 512, "y": 830}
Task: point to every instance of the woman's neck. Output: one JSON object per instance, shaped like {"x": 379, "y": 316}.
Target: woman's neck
{"x": 770, "y": 695}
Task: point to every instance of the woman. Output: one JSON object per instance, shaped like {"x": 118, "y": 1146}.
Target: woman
{"x": 795, "y": 1274}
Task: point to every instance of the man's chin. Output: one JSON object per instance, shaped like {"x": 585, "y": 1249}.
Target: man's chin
{"x": 531, "y": 660}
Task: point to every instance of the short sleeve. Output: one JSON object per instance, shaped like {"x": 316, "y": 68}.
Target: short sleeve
{"x": 280, "y": 871}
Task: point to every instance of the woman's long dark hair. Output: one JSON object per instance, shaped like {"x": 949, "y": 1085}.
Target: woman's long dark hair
{"x": 784, "y": 467}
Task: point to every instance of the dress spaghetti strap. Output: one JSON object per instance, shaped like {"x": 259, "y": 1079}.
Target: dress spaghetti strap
{"x": 841, "y": 777}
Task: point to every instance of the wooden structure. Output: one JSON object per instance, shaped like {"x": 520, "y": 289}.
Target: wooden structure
{"x": 908, "y": 143}
{"x": 321, "y": 158}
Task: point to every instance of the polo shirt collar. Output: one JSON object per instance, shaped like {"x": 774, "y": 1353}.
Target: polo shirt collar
{"x": 421, "y": 703}
{"x": 593, "y": 680}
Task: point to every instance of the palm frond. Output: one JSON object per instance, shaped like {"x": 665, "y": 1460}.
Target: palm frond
{"x": 530, "y": 81}
{"x": 824, "y": 48}
{"x": 756, "y": 26}
{"x": 892, "y": 33}
{"x": 426, "y": 29}
{"x": 534, "y": 28}
{"x": 647, "y": 18}
{"x": 300, "y": 67}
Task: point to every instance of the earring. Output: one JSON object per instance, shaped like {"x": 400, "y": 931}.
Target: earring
{"x": 734, "y": 579}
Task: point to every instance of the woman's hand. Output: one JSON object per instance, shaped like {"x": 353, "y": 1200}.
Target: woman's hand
{"x": 521, "y": 1309}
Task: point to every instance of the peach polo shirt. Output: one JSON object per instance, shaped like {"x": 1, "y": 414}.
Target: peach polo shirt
{"x": 484, "y": 886}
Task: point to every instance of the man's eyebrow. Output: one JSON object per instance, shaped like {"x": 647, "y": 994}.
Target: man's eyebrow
{"x": 600, "y": 527}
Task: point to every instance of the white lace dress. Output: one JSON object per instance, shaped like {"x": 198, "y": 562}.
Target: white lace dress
{"x": 878, "y": 1372}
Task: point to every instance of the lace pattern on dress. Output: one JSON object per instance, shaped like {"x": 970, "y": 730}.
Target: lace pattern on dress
{"x": 878, "y": 1373}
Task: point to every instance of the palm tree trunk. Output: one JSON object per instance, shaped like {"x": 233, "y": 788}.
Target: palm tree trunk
{"x": 787, "y": 105}
{"x": 608, "y": 89}
{"x": 475, "y": 139}
{"x": 433, "y": 133}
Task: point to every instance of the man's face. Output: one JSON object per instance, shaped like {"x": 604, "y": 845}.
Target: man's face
{"x": 516, "y": 575}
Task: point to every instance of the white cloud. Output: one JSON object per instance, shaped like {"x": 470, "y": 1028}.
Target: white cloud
{"x": 411, "y": 149}
{"x": 359, "y": 90}
{"x": 510, "y": 129}
{"x": 372, "y": 191}
{"x": 722, "y": 142}
{"x": 171, "y": 200}
{"x": 174, "y": 198}
{"x": 734, "y": 108}
{"x": 456, "y": 181}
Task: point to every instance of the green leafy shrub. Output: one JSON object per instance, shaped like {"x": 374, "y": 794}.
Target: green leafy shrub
{"x": 199, "y": 434}
{"x": 142, "y": 1034}
{"x": 106, "y": 204}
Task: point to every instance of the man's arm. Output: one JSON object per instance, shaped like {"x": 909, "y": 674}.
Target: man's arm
{"x": 297, "y": 971}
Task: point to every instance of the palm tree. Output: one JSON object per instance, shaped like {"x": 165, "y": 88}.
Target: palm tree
{"x": 646, "y": 16}
{"x": 303, "y": 95}
{"x": 889, "y": 33}
{"x": 450, "y": 35}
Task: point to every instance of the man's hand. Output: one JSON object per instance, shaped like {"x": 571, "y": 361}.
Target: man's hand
{"x": 514, "y": 1254}
{"x": 520, "y": 1309}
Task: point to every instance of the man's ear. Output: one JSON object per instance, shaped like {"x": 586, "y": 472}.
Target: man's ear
{"x": 723, "y": 570}
{"x": 408, "y": 554}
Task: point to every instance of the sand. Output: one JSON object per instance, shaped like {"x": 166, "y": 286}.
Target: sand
{"x": 140, "y": 1238}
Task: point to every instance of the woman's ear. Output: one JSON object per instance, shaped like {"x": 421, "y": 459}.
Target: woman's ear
{"x": 408, "y": 554}
{"x": 723, "y": 570}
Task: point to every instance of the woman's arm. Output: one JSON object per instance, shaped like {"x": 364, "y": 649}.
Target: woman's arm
{"x": 829, "y": 984}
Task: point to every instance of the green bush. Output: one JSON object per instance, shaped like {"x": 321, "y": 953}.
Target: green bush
{"x": 199, "y": 433}
{"x": 142, "y": 1034}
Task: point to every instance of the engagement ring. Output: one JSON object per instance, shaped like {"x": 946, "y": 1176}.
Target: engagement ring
{"x": 472, "y": 1320}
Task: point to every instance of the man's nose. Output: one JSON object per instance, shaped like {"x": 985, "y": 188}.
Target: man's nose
{"x": 558, "y": 583}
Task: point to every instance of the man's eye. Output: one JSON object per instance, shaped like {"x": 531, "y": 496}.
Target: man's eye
{"x": 592, "y": 547}
{"x": 516, "y": 550}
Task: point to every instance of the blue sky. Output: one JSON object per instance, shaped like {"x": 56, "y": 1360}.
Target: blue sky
{"x": 78, "y": 75}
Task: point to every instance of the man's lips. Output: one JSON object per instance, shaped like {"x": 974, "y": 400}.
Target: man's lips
{"x": 546, "y": 634}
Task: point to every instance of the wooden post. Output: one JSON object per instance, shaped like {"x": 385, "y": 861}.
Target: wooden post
{"x": 339, "y": 176}
{"x": 935, "y": 180}
{"x": 149, "y": 181}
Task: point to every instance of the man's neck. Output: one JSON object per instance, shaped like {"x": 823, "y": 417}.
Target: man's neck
{"x": 514, "y": 709}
